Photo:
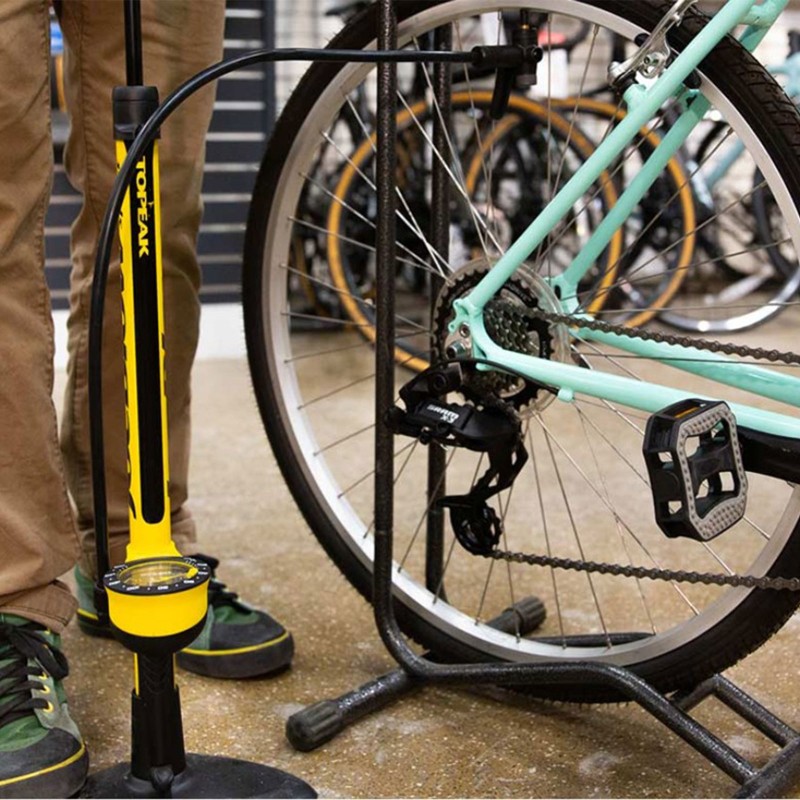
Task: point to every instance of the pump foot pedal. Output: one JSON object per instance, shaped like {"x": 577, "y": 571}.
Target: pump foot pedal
{"x": 697, "y": 475}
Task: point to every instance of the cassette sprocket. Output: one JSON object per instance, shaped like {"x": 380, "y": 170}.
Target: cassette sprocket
{"x": 510, "y": 324}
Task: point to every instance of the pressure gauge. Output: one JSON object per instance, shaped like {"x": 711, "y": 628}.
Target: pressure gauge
{"x": 158, "y": 597}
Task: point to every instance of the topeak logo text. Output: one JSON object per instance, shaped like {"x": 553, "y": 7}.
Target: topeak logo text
{"x": 142, "y": 213}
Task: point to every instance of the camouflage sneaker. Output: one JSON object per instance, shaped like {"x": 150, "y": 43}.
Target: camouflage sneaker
{"x": 41, "y": 751}
{"x": 236, "y": 642}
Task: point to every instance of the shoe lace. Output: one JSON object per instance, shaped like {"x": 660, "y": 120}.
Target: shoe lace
{"x": 19, "y": 645}
{"x": 218, "y": 593}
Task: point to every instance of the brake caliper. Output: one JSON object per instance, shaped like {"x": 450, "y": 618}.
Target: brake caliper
{"x": 495, "y": 431}
{"x": 697, "y": 474}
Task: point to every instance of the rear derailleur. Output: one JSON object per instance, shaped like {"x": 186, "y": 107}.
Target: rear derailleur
{"x": 493, "y": 428}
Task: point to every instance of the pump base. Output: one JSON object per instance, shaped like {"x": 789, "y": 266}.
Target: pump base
{"x": 204, "y": 776}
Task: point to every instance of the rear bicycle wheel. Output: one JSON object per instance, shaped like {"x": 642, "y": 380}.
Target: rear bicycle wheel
{"x": 583, "y": 494}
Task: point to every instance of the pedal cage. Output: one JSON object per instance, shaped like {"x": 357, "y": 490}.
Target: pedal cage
{"x": 697, "y": 476}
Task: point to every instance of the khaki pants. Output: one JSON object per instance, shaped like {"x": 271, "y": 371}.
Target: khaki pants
{"x": 39, "y": 537}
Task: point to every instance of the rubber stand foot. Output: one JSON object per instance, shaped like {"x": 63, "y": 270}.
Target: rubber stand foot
{"x": 204, "y": 776}
{"x": 315, "y": 725}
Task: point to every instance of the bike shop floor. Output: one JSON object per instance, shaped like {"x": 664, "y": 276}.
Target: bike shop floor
{"x": 437, "y": 742}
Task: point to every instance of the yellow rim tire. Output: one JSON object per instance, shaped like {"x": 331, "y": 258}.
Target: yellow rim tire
{"x": 355, "y": 167}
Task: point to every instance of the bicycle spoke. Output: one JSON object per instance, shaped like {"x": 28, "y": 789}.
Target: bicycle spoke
{"x": 626, "y": 280}
{"x": 622, "y": 538}
{"x": 681, "y": 240}
{"x": 420, "y": 263}
{"x": 578, "y": 98}
{"x": 565, "y": 500}
{"x": 503, "y": 514}
{"x": 440, "y": 586}
{"x": 481, "y": 228}
{"x": 602, "y": 184}
{"x": 659, "y": 215}
{"x": 616, "y": 516}
{"x": 344, "y": 439}
{"x": 408, "y": 219}
{"x": 540, "y": 496}
{"x": 424, "y": 516}
{"x": 360, "y": 345}
{"x": 419, "y": 329}
{"x": 486, "y": 169}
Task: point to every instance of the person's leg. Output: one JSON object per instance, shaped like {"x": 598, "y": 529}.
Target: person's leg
{"x": 41, "y": 751}
{"x": 180, "y": 38}
{"x": 37, "y": 532}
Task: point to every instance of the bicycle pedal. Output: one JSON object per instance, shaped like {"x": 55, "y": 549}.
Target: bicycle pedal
{"x": 697, "y": 475}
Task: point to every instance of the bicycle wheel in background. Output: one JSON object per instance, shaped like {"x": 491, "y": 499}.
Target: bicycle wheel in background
{"x": 583, "y": 493}
{"x": 521, "y": 158}
{"x": 746, "y": 271}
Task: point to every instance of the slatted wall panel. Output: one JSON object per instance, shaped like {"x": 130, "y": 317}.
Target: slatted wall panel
{"x": 243, "y": 113}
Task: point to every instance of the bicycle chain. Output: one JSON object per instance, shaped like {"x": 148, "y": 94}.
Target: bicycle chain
{"x": 711, "y": 345}
{"x": 604, "y": 568}
{"x": 676, "y": 576}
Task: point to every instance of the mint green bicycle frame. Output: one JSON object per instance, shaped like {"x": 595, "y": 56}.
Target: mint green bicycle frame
{"x": 643, "y": 104}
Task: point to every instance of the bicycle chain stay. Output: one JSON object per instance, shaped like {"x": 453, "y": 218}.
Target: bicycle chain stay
{"x": 604, "y": 568}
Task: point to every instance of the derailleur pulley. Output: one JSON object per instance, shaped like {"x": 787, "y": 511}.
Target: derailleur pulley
{"x": 490, "y": 429}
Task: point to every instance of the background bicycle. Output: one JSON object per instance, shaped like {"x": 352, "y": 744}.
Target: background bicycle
{"x": 725, "y": 292}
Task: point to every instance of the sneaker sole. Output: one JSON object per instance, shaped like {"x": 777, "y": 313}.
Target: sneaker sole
{"x": 61, "y": 780}
{"x": 89, "y": 625}
{"x": 242, "y": 662}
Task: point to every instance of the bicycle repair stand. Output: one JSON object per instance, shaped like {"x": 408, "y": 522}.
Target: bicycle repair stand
{"x": 320, "y": 722}
{"x": 157, "y": 602}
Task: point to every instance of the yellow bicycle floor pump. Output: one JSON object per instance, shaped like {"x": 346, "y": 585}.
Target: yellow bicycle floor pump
{"x": 157, "y": 600}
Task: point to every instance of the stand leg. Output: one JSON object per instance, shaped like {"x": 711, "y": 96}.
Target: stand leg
{"x": 319, "y": 723}
{"x": 778, "y": 777}
{"x": 440, "y": 239}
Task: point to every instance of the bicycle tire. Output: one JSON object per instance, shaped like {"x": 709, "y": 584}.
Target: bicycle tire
{"x": 735, "y": 624}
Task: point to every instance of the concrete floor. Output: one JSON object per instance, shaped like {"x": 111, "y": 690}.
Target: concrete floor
{"x": 435, "y": 743}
